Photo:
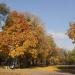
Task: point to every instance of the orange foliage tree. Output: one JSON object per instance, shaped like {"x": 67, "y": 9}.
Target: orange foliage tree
{"x": 71, "y": 32}
{"x": 24, "y": 36}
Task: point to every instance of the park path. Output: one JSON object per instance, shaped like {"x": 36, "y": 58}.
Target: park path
{"x": 31, "y": 72}
{"x": 39, "y": 72}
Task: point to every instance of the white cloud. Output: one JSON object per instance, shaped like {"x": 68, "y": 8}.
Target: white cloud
{"x": 59, "y": 35}
{"x": 61, "y": 40}
{"x": 0, "y": 29}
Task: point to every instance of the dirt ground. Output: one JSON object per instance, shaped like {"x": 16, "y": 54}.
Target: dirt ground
{"x": 33, "y": 71}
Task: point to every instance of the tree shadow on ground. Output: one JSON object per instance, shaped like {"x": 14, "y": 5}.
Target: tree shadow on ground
{"x": 67, "y": 69}
{"x": 33, "y": 67}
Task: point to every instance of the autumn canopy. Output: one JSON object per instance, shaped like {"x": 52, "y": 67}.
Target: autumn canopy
{"x": 23, "y": 37}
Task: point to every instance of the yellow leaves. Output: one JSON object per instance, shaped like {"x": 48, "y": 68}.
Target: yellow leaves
{"x": 72, "y": 34}
{"x": 31, "y": 40}
{"x": 34, "y": 43}
{"x": 71, "y": 31}
{"x": 12, "y": 53}
{"x": 17, "y": 51}
{"x": 17, "y": 46}
{"x": 30, "y": 34}
{"x": 29, "y": 43}
{"x": 39, "y": 30}
{"x": 20, "y": 51}
{"x": 26, "y": 44}
{"x": 72, "y": 26}
{"x": 33, "y": 53}
{"x": 18, "y": 26}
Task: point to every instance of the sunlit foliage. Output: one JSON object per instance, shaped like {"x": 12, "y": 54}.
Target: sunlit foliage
{"x": 71, "y": 32}
{"x": 23, "y": 36}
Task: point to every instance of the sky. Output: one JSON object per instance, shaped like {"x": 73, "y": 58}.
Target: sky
{"x": 54, "y": 14}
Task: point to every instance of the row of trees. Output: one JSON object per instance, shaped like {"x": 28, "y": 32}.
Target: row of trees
{"x": 24, "y": 42}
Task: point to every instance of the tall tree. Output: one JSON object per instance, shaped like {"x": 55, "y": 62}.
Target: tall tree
{"x": 24, "y": 37}
{"x": 4, "y": 10}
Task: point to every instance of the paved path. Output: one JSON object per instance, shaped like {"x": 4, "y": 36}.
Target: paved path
{"x": 31, "y": 72}
{"x": 38, "y": 72}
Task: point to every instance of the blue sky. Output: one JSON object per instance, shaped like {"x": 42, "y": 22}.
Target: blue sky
{"x": 55, "y": 14}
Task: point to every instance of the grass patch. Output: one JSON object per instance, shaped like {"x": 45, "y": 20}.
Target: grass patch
{"x": 67, "y": 68}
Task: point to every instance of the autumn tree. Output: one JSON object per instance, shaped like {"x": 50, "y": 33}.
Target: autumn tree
{"x": 23, "y": 37}
{"x": 20, "y": 36}
{"x": 71, "y": 35}
{"x": 4, "y": 11}
{"x": 71, "y": 32}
